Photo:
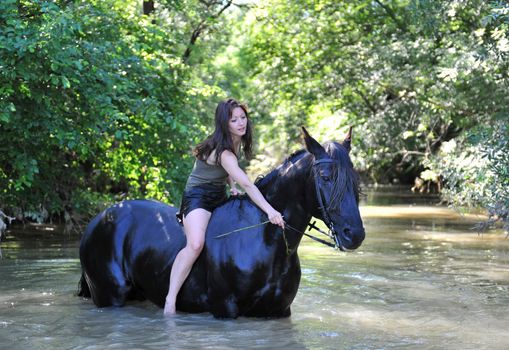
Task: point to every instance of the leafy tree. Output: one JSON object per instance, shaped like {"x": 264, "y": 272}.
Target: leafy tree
{"x": 91, "y": 103}
{"x": 385, "y": 65}
{"x": 408, "y": 74}
{"x": 475, "y": 165}
{"x": 101, "y": 100}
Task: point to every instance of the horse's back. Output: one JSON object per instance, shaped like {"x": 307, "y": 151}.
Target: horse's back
{"x": 234, "y": 228}
{"x": 125, "y": 218}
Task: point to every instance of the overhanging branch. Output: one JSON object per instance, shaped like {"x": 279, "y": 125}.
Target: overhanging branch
{"x": 202, "y": 26}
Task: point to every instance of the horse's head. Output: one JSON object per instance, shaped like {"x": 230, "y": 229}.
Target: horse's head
{"x": 334, "y": 186}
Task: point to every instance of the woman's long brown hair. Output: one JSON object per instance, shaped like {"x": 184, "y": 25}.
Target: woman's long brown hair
{"x": 221, "y": 140}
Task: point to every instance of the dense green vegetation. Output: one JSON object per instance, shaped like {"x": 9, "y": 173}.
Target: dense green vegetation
{"x": 99, "y": 102}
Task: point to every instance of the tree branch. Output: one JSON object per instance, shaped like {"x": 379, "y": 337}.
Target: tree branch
{"x": 366, "y": 101}
{"x": 148, "y": 7}
{"x": 392, "y": 14}
{"x": 201, "y": 27}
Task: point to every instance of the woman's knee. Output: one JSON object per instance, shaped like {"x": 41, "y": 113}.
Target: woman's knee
{"x": 195, "y": 246}
{"x": 195, "y": 226}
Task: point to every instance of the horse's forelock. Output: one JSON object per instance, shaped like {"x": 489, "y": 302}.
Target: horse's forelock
{"x": 337, "y": 151}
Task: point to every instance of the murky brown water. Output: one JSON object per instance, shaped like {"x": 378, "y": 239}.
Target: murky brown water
{"x": 422, "y": 280}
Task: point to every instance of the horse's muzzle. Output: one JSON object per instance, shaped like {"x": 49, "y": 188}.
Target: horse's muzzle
{"x": 348, "y": 238}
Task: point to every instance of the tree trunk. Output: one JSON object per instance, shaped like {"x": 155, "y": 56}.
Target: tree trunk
{"x": 148, "y": 7}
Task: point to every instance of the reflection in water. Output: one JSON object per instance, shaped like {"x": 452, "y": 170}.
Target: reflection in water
{"x": 421, "y": 280}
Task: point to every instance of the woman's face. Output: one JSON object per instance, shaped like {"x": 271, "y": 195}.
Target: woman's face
{"x": 237, "y": 125}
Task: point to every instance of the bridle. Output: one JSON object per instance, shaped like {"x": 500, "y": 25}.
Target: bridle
{"x": 323, "y": 210}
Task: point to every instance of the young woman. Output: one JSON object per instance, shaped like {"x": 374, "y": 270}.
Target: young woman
{"x": 216, "y": 164}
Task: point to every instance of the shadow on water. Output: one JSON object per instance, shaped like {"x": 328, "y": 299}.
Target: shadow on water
{"x": 421, "y": 280}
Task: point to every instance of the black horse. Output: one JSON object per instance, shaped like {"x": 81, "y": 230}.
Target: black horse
{"x": 128, "y": 250}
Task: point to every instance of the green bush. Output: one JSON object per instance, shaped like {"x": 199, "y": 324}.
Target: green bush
{"x": 475, "y": 169}
{"x": 91, "y": 99}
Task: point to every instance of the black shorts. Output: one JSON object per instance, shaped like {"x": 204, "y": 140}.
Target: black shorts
{"x": 206, "y": 196}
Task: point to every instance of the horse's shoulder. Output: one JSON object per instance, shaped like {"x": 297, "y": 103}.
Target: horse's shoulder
{"x": 237, "y": 223}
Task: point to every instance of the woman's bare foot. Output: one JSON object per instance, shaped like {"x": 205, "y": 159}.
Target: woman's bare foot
{"x": 169, "y": 309}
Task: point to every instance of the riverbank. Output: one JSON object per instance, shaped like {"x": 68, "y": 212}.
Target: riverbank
{"x": 377, "y": 202}
{"x": 35, "y": 230}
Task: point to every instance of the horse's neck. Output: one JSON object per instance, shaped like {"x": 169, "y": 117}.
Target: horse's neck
{"x": 285, "y": 190}
{"x": 284, "y": 177}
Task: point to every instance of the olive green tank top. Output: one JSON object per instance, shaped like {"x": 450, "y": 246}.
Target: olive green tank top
{"x": 204, "y": 173}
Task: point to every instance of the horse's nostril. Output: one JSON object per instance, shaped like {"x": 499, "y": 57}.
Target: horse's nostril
{"x": 347, "y": 235}
{"x": 352, "y": 239}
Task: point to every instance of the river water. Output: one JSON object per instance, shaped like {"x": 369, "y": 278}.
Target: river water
{"x": 423, "y": 279}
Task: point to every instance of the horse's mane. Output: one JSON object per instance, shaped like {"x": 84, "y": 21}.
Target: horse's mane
{"x": 345, "y": 172}
{"x": 263, "y": 180}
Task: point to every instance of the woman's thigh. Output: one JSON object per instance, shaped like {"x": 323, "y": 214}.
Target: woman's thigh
{"x": 195, "y": 225}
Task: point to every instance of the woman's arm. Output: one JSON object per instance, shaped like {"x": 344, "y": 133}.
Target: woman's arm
{"x": 230, "y": 164}
{"x": 233, "y": 186}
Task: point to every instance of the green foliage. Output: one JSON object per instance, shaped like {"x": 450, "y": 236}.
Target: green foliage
{"x": 91, "y": 99}
{"x": 407, "y": 74}
{"x": 475, "y": 168}
{"x": 99, "y": 103}
{"x": 475, "y": 165}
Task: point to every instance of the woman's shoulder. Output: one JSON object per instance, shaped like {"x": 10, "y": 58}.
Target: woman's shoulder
{"x": 228, "y": 155}
{"x": 211, "y": 159}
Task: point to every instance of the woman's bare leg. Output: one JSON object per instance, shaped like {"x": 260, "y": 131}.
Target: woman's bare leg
{"x": 195, "y": 225}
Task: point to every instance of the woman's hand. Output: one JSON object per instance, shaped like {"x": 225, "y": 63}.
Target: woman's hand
{"x": 276, "y": 218}
{"x": 234, "y": 191}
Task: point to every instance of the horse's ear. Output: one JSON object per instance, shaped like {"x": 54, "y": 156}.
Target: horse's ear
{"x": 312, "y": 145}
{"x": 347, "y": 142}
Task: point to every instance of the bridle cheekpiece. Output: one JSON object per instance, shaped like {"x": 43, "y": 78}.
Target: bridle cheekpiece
{"x": 323, "y": 210}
